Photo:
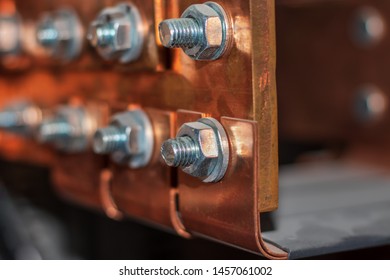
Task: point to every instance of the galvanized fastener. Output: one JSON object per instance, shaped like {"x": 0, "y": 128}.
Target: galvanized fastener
{"x": 128, "y": 139}
{"x": 61, "y": 34}
{"x": 10, "y": 34}
{"x": 68, "y": 130}
{"x": 203, "y": 31}
{"x": 118, "y": 33}
{"x": 200, "y": 148}
{"x": 20, "y": 117}
{"x": 370, "y": 104}
{"x": 368, "y": 27}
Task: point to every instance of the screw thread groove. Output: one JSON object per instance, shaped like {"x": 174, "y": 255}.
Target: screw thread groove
{"x": 53, "y": 130}
{"x": 179, "y": 33}
{"x": 108, "y": 140}
{"x": 181, "y": 152}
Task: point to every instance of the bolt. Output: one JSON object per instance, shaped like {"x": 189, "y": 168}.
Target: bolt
{"x": 200, "y": 149}
{"x": 101, "y": 35}
{"x": 20, "y": 117}
{"x": 53, "y": 130}
{"x": 8, "y": 119}
{"x": 47, "y": 35}
{"x": 371, "y": 104}
{"x": 202, "y": 31}
{"x": 179, "y": 33}
{"x": 118, "y": 33}
{"x": 368, "y": 27}
{"x": 181, "y": 151}
{"x": 110, "y": 139}
{"x": 128, "y": 139}
{"x": 60, "y": 33}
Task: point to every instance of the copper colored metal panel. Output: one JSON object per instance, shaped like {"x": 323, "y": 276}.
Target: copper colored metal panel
{"x": 228, "y": 211}
{"x": 241, "y": 84}
{"x": 145, "y": 193}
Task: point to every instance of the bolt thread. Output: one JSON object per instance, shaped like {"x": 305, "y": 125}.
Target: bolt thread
{"x": 108, "y": 140}
{"x": 54, "y": 130}
{"x": 47, "y": 35}
{"x": 179, "y": 33}
{"x": 181, "y": 152}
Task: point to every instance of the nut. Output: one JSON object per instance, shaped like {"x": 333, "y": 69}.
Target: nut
{"x": 213, "y": 156}
{"x": 117, "y": 33}
{"x": 212, "y": 20}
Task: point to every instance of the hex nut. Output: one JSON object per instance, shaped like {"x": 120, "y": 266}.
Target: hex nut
{"x": 215, "y": 37}
{"x": 118, "y": 33}
{"x": 213, "y": 157}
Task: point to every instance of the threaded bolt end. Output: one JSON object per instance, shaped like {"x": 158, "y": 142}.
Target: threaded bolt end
{"x": 179, "y": 33}
{"x": 181, "y": 152}
{"x": 101, "y": 35}
{"x": 53, "y": 130}
{"x": 47, "y": 35}
{"x": 108, "y": 140}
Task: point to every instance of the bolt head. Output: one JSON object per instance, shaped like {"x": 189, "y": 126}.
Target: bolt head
{"x": 117, "y": 33}
{"x": 212, "y": 39}
{"x": 206, "y": 139}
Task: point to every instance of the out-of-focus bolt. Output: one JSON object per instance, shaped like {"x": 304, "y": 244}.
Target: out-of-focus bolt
{"x": 370, "y": 105}
{"x": 128, "y": 139}
{"x": 69, "y": 130}
{"x": 368, "y": 27}
{"x": 10, "y": 34}
{"x": 21, "y": 117}
{"x": 118, "y": 33}
{"x": 61, "y": 34}
{"x": 110, "y": 139}
{"x": 201, "y": 149}
{"x": 203, "y": 31}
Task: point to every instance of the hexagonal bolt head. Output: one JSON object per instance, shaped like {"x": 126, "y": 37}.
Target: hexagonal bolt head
{"x": 203, "y": 31}
{"x": 60, "y": 33}
{"x": 201, "y": 149}
{"x": 117, "y": 33}
{"x": 128, "y": 139}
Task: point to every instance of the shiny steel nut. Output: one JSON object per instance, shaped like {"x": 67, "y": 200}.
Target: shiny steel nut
{"x": 128, "y": 139}
{"x": 213, "y": 156}
{"x": 117, "y": 33}
{"x": 212, "y": 20}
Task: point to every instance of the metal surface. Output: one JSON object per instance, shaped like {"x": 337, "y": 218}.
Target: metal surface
{"x": 203, "y": 31}
{"x": 200, "y": 148}
{"x": 128, "y": 139}
{"x": 118, "y": 33}
{"x": 61, "y": 34}
{"x": 331, "y": 207}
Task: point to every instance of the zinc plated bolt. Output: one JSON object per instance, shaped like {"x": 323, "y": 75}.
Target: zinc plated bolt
{"x": 60, "y": 33}
{"x": 368, "y": 27}
{"x": 128, "y": 139}
{"x": 201, "y": 149}
{"x": 118, "y": 33}
{"x": 68, "y": 130}
{"x": 203, "y": 31}
{"x": 21, "y": 117}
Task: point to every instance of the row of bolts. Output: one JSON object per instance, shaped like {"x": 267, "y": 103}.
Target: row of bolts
{"x": 203, "y": 32}
{"x": 200, "y": 148}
